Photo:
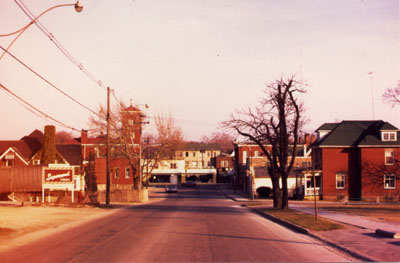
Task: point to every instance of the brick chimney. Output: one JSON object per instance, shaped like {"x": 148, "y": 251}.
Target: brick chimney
{"x": 307, "y": 139}
{"x": 49, "y": 145}
{"x": 84, "y": 136}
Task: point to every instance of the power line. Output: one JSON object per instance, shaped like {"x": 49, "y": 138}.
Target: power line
{"x": 53, "y": 39}
{"x": 36, "y": 109}
{"x": 48, "y": 82}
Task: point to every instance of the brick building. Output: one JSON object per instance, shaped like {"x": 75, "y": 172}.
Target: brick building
{"x": 359, "y": 160}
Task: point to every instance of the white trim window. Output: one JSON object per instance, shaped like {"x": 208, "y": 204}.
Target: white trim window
{"x": 244, "y": 161}
{"x": 127, "y": 172}
{"x": 340, "y": 181}
{"x": 389, "y": 181}
{"x": 389, "y": 136}
{"x": 389, "y": 157}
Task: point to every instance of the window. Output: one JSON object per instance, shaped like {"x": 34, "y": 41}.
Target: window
{"x": 187, "y": 154}
{"x": 389, "y": 157}
{"x": 222, "y": 163}
{"x": 389, "y": 136}
{"x": 117, "y": 172}
{"x": 208, "y": 154}
{"x": 389, "y": 181}
{"x": 256, "y": 154}
{"x": 9, "y": 162}
{"x": 244, "y": 157}
{"x": 340, "y": 181}
{"x": 173, "y": 165}
{"x": 194, "y": 154}
{"x": 36, "y": 162}
{"x": 127, "y": 172}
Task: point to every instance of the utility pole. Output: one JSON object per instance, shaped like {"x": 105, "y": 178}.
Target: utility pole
{"x": 108, "y": 149}
{"x": 315, "y": 196}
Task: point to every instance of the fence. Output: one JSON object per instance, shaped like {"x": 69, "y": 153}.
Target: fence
{"x": 21, "y": 179}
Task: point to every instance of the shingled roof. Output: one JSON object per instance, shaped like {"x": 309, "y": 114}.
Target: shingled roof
{"x": 356, "y": 134}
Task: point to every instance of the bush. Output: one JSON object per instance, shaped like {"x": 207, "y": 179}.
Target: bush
{"x": 264, "y": 191}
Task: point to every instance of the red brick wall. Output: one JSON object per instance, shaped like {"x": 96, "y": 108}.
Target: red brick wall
{"x": 339, "y": 160}
{"x": 121, "y": 163}
{"x": 373, "y": 169}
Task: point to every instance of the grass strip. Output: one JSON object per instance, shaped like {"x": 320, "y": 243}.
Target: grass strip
{"x": 302, "y": 219}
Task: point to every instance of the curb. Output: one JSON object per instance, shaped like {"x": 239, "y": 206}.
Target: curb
{"x": 388, "y": 234}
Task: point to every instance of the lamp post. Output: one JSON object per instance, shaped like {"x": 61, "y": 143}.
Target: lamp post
{"x": 78, "y": 8}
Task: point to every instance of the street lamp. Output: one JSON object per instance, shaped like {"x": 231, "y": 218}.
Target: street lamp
{"x": 78, "y": 8}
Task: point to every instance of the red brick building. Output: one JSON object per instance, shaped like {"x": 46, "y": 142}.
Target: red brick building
{"x": 93, "y": 151}
{"x": 359, "y": 160}
{"x": 249, "y": 155}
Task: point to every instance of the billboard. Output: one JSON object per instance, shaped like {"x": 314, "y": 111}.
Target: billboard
{"x": 57, "y": 175}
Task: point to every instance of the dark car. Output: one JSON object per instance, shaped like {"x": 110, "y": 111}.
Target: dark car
{"x": 171, "y": 189}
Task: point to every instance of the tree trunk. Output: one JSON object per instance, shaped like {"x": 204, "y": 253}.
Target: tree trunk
{"x": 285, "y": 196}
{"x": 276, "y": 192}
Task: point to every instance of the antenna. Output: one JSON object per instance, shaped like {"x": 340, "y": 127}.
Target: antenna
{"x": 372, "y": 95}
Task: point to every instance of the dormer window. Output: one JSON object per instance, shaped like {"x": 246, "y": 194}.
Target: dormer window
{"x": 389, "y": 136}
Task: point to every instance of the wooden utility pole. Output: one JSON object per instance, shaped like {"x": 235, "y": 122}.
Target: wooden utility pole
{"x": 315, "y": 196}
{"x": 108, "y": 149}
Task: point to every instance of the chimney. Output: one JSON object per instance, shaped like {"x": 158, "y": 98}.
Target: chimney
{"x": 49, "y": 145}
{"x": 307, "y": 139}
{"x": 84, "y": 136}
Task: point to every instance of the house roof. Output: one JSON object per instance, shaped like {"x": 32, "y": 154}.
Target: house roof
{"x": 70, "y": 152}
{"x": 196, "y": 146}
{"x": 327, "y": 127}
{"x": 357, "y": 134}
{"x": 26, "y": 147}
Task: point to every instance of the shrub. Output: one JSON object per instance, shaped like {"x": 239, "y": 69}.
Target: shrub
{"x": 264, "y": 191}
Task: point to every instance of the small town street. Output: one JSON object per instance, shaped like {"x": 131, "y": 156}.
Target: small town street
{"x": 194, "y": 225}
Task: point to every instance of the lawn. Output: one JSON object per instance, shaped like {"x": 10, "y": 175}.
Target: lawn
{"x": 303, "y": 220}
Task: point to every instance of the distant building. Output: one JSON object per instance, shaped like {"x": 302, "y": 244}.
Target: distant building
{"x": 251, "y": 167}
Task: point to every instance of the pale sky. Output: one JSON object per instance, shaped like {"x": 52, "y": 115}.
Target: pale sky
{"x": 201, "y": 59}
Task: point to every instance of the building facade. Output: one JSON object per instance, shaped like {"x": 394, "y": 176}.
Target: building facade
{"x": 359, "y": 160}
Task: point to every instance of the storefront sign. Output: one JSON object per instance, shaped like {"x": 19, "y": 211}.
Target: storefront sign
{"x": 52, "y": 175}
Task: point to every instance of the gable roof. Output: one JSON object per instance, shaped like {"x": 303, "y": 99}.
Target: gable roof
{"x": 27, "y": 147}
{"x": 357, "y": 134}
{"x": 70, "y": 152}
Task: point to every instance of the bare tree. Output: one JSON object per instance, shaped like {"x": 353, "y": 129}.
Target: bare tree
{"x": 161, "y": 146}
{"x": 124, "y": 134}
{"x": 222, "y": 139}
{"x": 392, "y": 95}
{"x": 273, "y": 125}
{"x": 63, "y": 137}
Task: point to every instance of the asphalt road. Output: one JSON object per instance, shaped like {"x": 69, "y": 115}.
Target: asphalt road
{"x": 194, "y": 225}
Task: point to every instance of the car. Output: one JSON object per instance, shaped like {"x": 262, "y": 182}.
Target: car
{"x": 171, "y": 189}
{"x": 189, "y": 184}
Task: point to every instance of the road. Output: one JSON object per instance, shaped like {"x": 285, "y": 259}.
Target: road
{"x": 194, "y": 225}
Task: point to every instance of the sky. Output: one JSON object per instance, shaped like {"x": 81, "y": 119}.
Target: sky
{"x": 199, "y": 60}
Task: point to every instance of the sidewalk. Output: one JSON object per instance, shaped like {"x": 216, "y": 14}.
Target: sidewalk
{"x": 358, "y": 238}
{"x": 358, "y": 221}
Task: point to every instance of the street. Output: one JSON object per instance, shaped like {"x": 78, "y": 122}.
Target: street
{"x": 194, "y": 225}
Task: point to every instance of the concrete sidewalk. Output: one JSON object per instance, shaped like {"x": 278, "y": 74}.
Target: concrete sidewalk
{"x": 354, "y": 220}
{"x": 358, "y": 238}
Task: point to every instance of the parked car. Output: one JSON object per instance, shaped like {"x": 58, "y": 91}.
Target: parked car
{"x": 189, "y": 184}
{"x": 171, "y": 189}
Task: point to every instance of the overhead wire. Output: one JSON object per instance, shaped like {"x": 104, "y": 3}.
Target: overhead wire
{"x": 51, "y": 84}
{"x": 36, "y": 109}
{"x": 52, "y": 38}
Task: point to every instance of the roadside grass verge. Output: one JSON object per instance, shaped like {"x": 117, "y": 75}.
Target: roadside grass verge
{"x": 304, "y": 220}
{"x": 390, "y": 213}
